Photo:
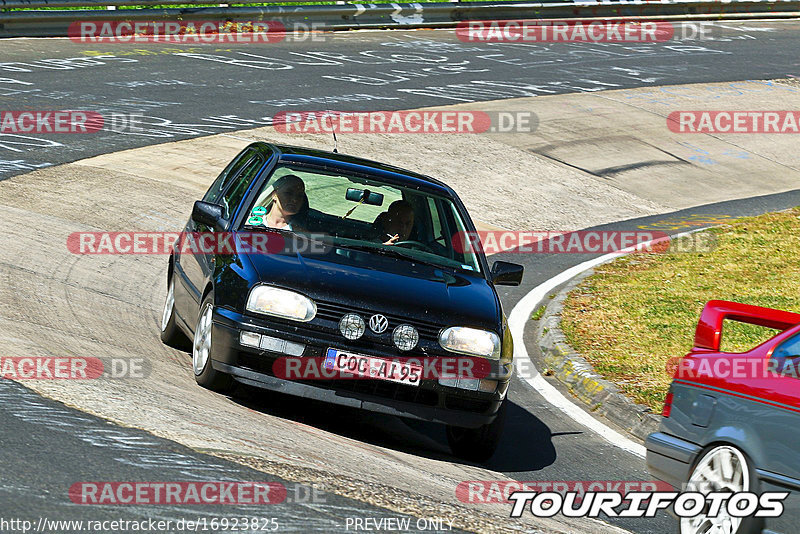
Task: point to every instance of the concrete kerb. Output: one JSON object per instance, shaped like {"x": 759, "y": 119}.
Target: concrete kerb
{"x": 561, "y": 361}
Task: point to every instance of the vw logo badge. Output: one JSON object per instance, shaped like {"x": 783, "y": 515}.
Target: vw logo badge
{"x": 378, "y": 323}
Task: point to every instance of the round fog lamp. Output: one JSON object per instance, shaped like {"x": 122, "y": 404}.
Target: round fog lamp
{"x": 405, "y": 337}
{"x": 352, "y": 326}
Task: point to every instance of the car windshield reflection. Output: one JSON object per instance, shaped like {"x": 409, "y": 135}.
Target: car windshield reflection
{"x": 363, "y": 214}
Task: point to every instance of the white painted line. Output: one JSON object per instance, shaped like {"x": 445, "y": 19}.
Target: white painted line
{"x": 518, "y": 319}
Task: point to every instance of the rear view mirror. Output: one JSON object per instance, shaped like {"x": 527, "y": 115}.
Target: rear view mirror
{"x": 506, "y": 274}
{"x": 364, "y": 195}
{"x": 207, "y": 214}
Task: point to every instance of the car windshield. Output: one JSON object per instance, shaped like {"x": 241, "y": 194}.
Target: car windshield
{"x": 364, "y": 214}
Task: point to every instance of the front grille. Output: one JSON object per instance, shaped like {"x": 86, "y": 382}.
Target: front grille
{"x": 334, "y": 312}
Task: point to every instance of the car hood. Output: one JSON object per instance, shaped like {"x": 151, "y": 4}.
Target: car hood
{"x": 385, "y": 284}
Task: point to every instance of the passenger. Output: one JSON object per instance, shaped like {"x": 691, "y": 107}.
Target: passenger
{"x": 395, "y": 224}
{"x": 289, "y": 204}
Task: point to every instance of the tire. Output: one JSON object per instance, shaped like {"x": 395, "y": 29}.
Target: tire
{"x": 708, "y": 475}
{"x": 171, "y": 334}
{"x": 202, "y": 349}
{"x": 477, "y": 444}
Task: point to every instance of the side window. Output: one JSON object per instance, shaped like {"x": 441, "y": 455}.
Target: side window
{"x": 785, "y": 356}
{"x": 789, "y": 348}
{"x": 456, "y": 226}
{"x": 239, "y": 187}
{"x": 436, "y": 223}
{"x": 224, "y": 179}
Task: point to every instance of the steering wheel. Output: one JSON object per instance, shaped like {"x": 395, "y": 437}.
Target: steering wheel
{"x": 415, "y": 244}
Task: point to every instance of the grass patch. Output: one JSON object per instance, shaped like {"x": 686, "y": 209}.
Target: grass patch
{"x": 636, "y": 312}
{"x": 538, "y": 313}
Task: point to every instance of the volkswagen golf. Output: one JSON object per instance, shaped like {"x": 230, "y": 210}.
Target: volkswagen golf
{"x": 364, "y": 267}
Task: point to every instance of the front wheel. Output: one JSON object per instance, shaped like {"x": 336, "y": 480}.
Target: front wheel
{"x": 204, "y": 372}
{"x": 722, "y": 468}
{"x": 171, "y": 334}
{"x": 477, "y": 444}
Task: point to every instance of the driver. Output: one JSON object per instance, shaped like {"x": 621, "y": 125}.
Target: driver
{"x": 289, "y": 205}
{"x": 395, "y": 224}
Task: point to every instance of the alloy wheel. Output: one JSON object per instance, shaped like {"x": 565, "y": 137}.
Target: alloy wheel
{"x": 202, "y": 340}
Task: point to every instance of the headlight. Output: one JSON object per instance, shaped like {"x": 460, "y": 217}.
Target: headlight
{"x": 471, "y": 341}
{"x": 281, "y": 303}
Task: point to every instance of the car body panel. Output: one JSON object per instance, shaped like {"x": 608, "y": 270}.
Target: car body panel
{"x": 736, "y": 399}
{"x": 422, "y": 290}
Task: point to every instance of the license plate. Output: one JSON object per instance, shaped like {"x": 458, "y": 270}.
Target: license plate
{"x": 360, "y": 365}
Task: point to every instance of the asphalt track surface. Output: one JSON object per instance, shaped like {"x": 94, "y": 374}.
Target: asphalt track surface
{"x": 184, "y": 93}
{"x": 193, "y": 90}
{"x": 32, "y": 487}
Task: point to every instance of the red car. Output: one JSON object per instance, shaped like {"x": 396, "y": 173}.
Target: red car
{"x": 731, "y": 421}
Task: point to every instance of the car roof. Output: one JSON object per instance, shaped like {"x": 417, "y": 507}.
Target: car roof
{"x": 324, "y": 158}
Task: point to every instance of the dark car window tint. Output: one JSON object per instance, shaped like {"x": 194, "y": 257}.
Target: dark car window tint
{"x": 224, "y": 179}
{"x": 785, "y": 357}
{"x": 789, "y": 349}
{"x": 234, "y": 194}
{"x": 436, "y": 223}
{"x": 327, "y": 195}
{"x": 332, "y": 215}
{"x": 456, "y": 227}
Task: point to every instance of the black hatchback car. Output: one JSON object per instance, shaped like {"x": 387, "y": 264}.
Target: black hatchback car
{"x": 367, "y": 269}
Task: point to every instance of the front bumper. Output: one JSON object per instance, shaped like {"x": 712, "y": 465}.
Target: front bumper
{"x": 670, "y": 459}
{"x": 429, "y": 401}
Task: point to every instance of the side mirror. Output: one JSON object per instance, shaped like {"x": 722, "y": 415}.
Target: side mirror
{"x": 207, "y": 214}
{"x": 506, "y": 274}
